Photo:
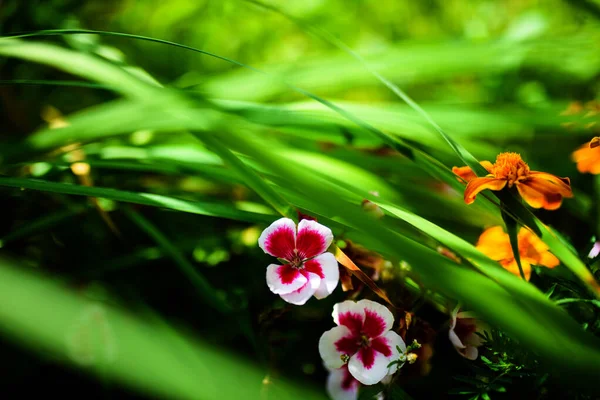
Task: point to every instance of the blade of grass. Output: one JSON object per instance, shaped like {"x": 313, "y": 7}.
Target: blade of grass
{"x": 195, "y": 207}
{"x": 203, "y": 287}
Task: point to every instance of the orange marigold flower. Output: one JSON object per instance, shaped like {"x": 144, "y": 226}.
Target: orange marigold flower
{"x": 587, "y": 157}
{"x": 538, "y": 189}
{"x": 495, "y": 244}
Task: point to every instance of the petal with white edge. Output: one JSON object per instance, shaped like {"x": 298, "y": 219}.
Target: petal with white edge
{"x": 329, "y": 351}
{"x": 341, "y": 385}
{"x": 301, "y": 295}
{"x": 350, "y": 314}
{"x": 284, "y": 279}
{"x": 470, "y": 352}
{"x": 326, "y": 267}
{"x": 313, "y": 238}
{"x": 394, "y": 341}
{"x": 378, "y": 319}
{"x": 368, "y": 366}
{"x": 279, "y": 239}
{"x": 455, "y": 340}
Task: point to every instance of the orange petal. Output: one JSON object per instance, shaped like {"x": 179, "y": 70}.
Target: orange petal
{"x": 487, "y": 165}
{"x": 513, "y": 268}
{"x": 466, "y": 173}
{"x": 548, "y": 260}
{"x": 478, "y": 184}
{"x": 563, "y": 185}
{"x": 587, "y": 159}
{"x": 495, "y": 244}
{"x": 539, "y": 193}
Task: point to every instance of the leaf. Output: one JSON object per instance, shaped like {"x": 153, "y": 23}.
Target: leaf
{"x": 155, "y": 358}
{"x": 154, "y": 200}
{"x": 343, "y": 259}
{"x": 512, "y": 228}
{"x": 369, "y": 392}
{"x": 395, "y": 392}
{"x": 203, "y": 287}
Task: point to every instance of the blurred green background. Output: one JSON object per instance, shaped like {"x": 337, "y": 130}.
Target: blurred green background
{"x": 180, "y": 278}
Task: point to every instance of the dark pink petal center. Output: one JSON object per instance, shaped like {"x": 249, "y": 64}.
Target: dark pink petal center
{"x": 310, "y": 243}
{"x": 464, "y": 327}
{"x": 352, "y": 321}
{"x": 280, "y": 243}
{"x": 382, "y": 346}
{"x": 374, "y": 325}
{"x": 314, "y": 267}
{"x": 347, "y": 345}
{"x": 287, "y": 274}
{"x": 366, "y": 356}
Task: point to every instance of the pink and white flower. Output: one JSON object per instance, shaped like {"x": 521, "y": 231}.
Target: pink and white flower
{"x": 363, "y": 340}
{"x": 307, "y": 270}
{"x": 462, "y": 334}
{"x": 341, "y": 385}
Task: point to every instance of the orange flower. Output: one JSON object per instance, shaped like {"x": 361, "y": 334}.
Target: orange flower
{"x": 538, "y": 189}
{"x": 587, "y": 157}
{"x": 495, "y": 244}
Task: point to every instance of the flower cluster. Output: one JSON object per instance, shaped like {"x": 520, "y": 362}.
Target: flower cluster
{"x": 363, "y": 348}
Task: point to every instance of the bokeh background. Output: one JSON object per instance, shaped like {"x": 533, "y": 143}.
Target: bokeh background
{"x": 497, "y": 75}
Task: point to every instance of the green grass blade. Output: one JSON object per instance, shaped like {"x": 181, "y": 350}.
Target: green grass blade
{"x": 203, "y": 287}
{"x": 154, "y": 200}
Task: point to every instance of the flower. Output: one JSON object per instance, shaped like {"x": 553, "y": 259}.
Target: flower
{"x": 595, "y": 251}
{"x": 307, "y": 269}
{"x": 462, "y": 334}
{"x": 341, "y": 385}
{"x": 538, "y": 189}
{"x": 587, "y": 157}
{"x": 363, "y": 340}
{"x": 495, "y": 244}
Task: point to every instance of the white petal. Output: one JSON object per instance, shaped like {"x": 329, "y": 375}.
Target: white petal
{"x": 372, "y": 375}
{"x": 313, "y": 238}
{"x": 341, "y": 311}
{"x": 332, "y": 358}
{"x": 279, "y": 239}
{"x": 301, "y": 296}
{"x": 331, "y": 274}
{"x": 455, "y": 340}
{"x": 394, "y": 341}
{"x": 283, "y": 279}
{"x": 336, "y": 391}
{"x": 378, "y": 318}
{"x": 470, "y": 352}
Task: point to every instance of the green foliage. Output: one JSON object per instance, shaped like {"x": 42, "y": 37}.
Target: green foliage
{"x": 195, "y": 142}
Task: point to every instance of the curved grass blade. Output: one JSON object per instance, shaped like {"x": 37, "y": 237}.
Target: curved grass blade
{"x": 154, "y": 200}
{"x": 203, "y": 287}
{"x": 150, "y": 357}
{"x": 460, "y": 151}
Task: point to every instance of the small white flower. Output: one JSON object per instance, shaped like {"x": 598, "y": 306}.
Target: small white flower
{"x": 462, "y": 334}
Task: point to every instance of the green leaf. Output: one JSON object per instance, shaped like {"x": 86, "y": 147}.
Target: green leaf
{"x": 195, "y": 207}
{"x": 124, "y": 347}
{"x": 512, "y": 228}
{"x": 369, "y": 392}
